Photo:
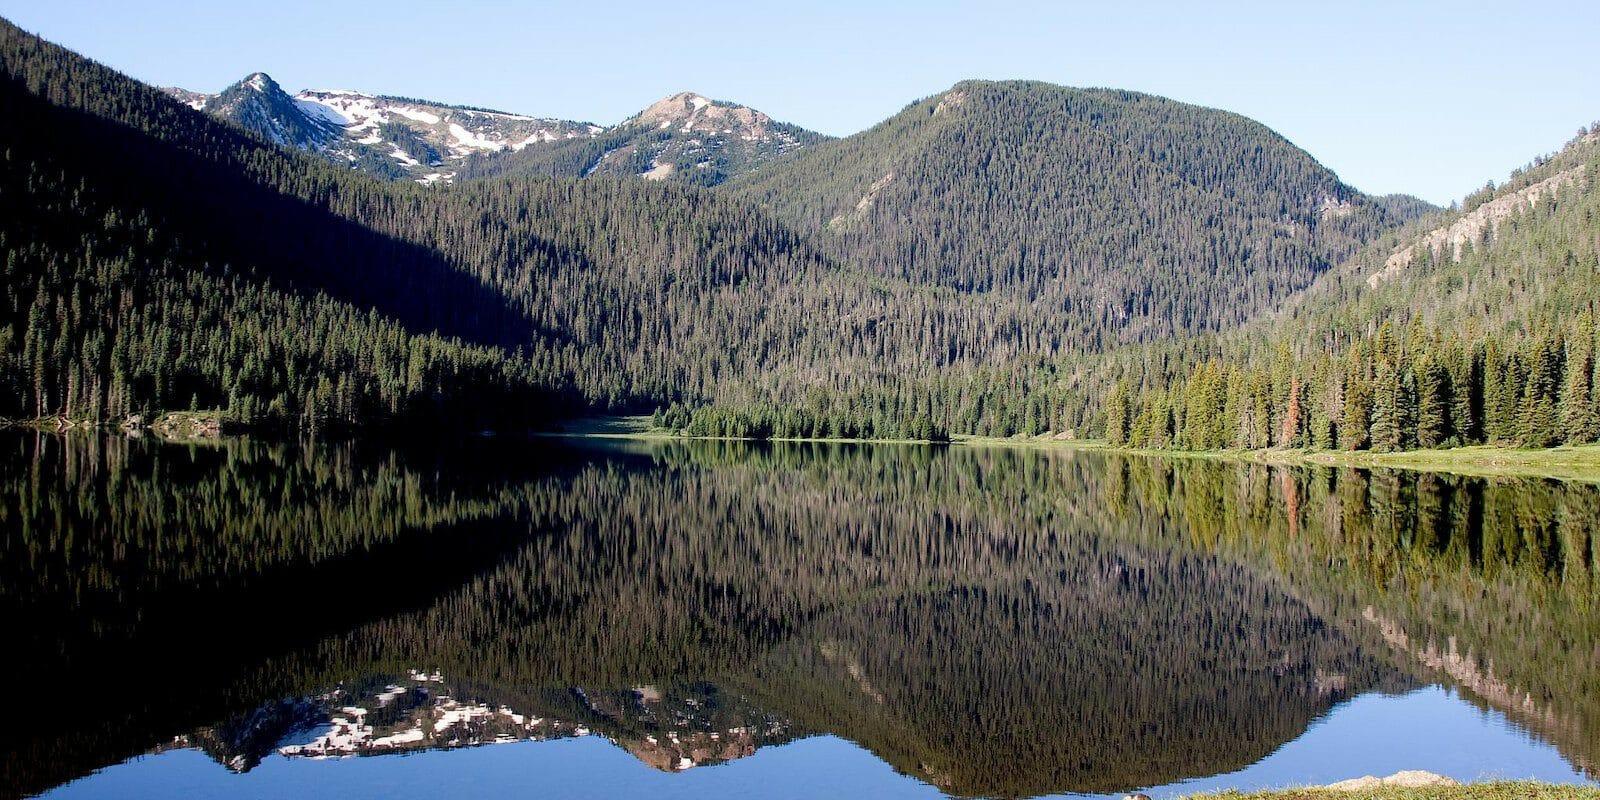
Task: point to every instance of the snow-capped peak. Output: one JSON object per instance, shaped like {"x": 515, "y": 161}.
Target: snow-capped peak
{"x": 391, "y": 136}
{"x": 688, "y": 135}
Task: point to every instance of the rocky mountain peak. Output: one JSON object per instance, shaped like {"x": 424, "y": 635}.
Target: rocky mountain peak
{"x": 256, "y": 102}
{"x": 688, "y": 112}
{"x": 260, "y": 81}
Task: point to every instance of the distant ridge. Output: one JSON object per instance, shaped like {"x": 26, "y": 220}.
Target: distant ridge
{"x": 685, "y": 138}
{"x": 383, "y": 135}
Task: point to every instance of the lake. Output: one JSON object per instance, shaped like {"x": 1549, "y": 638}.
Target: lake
{"x": 584, "y": 618}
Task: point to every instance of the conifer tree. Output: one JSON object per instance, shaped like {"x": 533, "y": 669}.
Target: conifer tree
{"x": 1118, "y": 415}
{"x": 1432, "y": 403}
{"x": 1579, "y": 421}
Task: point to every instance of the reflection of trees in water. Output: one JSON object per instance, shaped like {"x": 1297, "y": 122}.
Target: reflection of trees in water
{"x": 1492, "y": 585}
{"x": 993, "y": 621}
{"x": 937, "y": 615}
{"x": 1097, "y": 681}
{"x": 156, "y": 588}
{"x": 98, "y": 514}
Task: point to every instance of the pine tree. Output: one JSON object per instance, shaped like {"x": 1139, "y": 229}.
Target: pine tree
{"x": 1539, "y": 427}
{"x": 1117, "y": 415}
{"x": 1432, "y": 403}
{"x": 1463, "y": 382}
{"x": 1580, "y": 423}
{"x": 1355, "y": 423}
{"x": 1386, "y": 393}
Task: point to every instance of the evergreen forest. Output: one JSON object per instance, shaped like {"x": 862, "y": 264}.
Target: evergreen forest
{"x": 1000, "y": 259}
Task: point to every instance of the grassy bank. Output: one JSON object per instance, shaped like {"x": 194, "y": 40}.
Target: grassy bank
{"x": 1503, "y": 790}
{"x": 1580, "y": 463}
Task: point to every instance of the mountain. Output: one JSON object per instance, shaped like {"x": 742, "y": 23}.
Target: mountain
{"x": 1137, "y": 216}
{"x": 1476, "y": 325}
{"x": 259, "y": 104}
{"x": 506, "y": 301}
{"x": 391, "y": 137}
{"x": 391, "y": 302}
{"x": 147, "y": 267}
{"x": 688, "y": 138}
{"x": 1510, "y": 254}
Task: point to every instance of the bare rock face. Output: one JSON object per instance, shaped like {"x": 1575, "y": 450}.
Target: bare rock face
{"x": 187, "y": 425}
{"x": 691, "y": 138}
{"x": 1411, "y": 778}
{"x": 1476, "y": 225}
{"x": 692, "y": 112}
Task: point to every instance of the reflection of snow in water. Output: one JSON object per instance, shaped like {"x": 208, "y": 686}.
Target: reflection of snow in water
{"x": 441, "y": 721}
{"x": 1432, "y": 728}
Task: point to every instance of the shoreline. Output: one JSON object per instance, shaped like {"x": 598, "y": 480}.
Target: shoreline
{"x": 1575, "y": 463}
{"x": 1579, "y": 463}
{"x": 1488, "y": 790}
{"x": 1571, "y": 463}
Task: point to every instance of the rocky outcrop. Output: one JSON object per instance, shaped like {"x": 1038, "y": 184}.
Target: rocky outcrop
{"x": 863, "y": 205}
{"x": 1411, "y": 778}
{"x": 186, "y": 425}
{"x": 1474, "y": 225}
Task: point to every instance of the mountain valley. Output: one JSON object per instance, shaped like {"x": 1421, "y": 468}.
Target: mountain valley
{"x": 1001, "y": 258}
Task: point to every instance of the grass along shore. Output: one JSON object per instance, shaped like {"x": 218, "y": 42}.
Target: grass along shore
{"x": 1499, "y": 790}
{"x": 1572, "y": 463}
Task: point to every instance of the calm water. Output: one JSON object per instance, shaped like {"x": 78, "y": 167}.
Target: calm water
{"x": 509, "y": 618}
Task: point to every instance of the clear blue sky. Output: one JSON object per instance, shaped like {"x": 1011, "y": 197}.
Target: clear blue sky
{"x": 1431, "y": 98}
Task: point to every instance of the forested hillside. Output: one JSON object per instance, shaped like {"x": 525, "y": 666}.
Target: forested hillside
{"x": 977, "y": 264}
{"x": 1125, "y": 216}
{"x": 1475, "y": 325}
{"x": 144, "y": 269}
{"x": 1480, "y": 327}
{"x": 158, "y": 258}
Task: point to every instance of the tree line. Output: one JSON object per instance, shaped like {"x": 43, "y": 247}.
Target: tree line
{"x": 148, "y": 266}
{"x": 1480, "y": 340}
{"x": 1390, "y": 391}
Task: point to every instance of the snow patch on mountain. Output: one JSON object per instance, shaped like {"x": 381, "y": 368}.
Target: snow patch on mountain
{"x": 705, "y": 141}
{"x": 472, "y": 140}
{"x": 358, "y": 110}
{"x": 376, "y": 133}
{"x": 322, "y": 111}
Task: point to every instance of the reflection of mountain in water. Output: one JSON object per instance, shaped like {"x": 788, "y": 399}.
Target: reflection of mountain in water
{"x": 670, "y": 729}
{"x": 992, "y": 622}
{"x": 996, "y": 657}
{"x": 1051, "y": 686}
{"x": 1492, "y": 586}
